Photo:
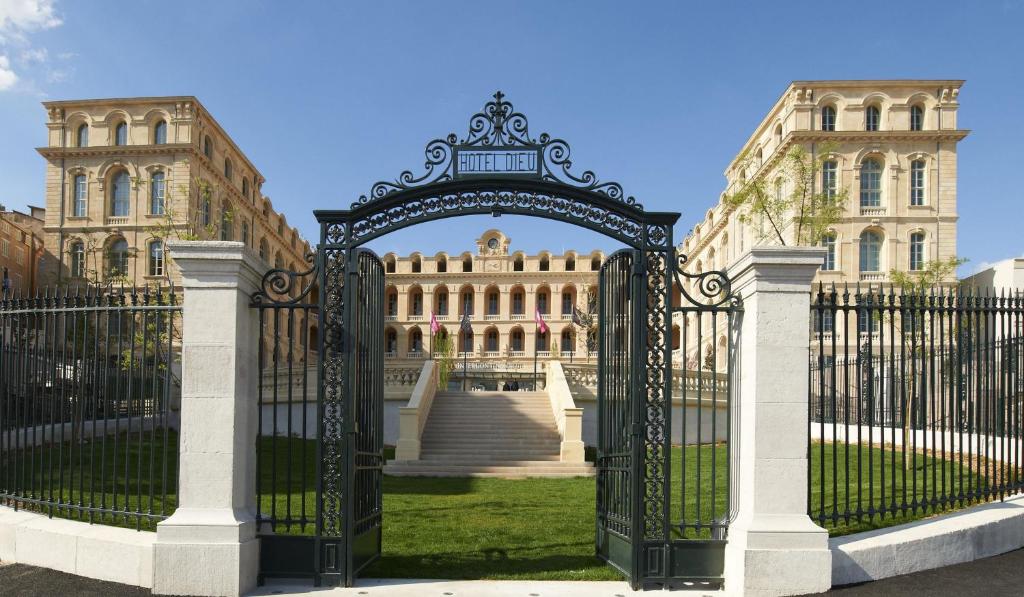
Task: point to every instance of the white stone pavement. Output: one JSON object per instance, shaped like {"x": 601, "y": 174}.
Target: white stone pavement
{"x": 405, "y": 587}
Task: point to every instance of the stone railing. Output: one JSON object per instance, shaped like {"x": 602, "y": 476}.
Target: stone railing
{"x": 582, "y": 380}
{"x": 413, "y": 416}
{"x": 568, "y": 417}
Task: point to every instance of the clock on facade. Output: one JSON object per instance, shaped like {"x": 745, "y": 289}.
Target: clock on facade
{"x": 493, "y": 244}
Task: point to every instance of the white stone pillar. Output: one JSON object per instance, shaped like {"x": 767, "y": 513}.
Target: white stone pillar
{"x": 209, "y": 546}
{"x": 774, "y": 548}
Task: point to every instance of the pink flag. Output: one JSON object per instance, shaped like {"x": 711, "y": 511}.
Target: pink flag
{"x": 434, "y": 326}
{"x": 541, "y": 326}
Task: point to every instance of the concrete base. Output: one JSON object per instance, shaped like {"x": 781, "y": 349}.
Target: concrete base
{"x": 408, "y": 587}
{"x": 978, "y": 532}
{"x": 94, "y": 551}
{"x": 777, "y": 555}
{"x": 572, "y": 452}
{"x": 206, "y": 553}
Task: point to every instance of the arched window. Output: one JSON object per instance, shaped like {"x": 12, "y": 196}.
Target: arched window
{"x": 570, "y": 263}
{"x": 517, "y": 263}
{"x": 516, "y": 340}
{"x": 916, "y": 118}
{"x": 120, "y": 194}
{"x": 467, "y": 263}
{"x": 917, "y": 182}
{"x": 228, "y": 170}
{"x": 208, "y": 147}
{"x": 568, "y": 302}
{"x": 518, "y": 301}
{"x": 77, "y": 259}
{"x": 417, "y": 264}
{"x": 81, "y": 193}
{"x": 870, "y": 251}
{"x": 264, "y": 250}
{"x": 245, "y": 187}
{"x": 117, "y": 259}
{"x": 493, "y": 301}
{"x": 545, "y": 263}
{"x": 416, "y": 302}
{"x": 278, "y": 262}
{"x": 415, "y": 341}
{"x": 760, "y": 157}
{"x": 390, "y": 341}
{"x": 872, "y": 118}
{"x": 441, "y": 301}
{"x": 442, "y": 264}
{"x": 245, "y": 233}
{"x": 778, "y": 135}
{"x": 160, "y": 133}
{"x": 830, "y": 178}
{"x": 595, "y": 263}
{"x": 389, "y": 264}
{"x": 205, "y": 215}
{"x": 870, "y": 183}
{"x": 541, "y": 342}
{"x": 567, "y": 345}
{"x": 226, "y": 229}
{"x": 157, "y": 194}
{"x": 121, "y": 134}
{"x": 156, "y": 258}
{"x": 828, "y": 118}
{"x": 467, "y": 301}
{"x": 829, "y": 242}
{"x": 492, "y": 340}
{"x": 467, "y": 341}
{"x": 82, "y": 137}
{"x": 543, "y": 302}
{"x": 917, "y": 251}
{"x": 280, "y": 226}
{"x": 391, "y": 302}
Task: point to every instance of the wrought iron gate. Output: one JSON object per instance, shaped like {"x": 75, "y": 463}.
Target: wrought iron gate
{"x": 618, "y": 412}
{"x": 498, "y": 168}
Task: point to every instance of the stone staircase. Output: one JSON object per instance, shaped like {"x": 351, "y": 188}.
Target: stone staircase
{"x": 490, "y": 434}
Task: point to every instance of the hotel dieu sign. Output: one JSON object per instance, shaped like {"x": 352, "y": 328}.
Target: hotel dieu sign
{"x": 497, "y": 161}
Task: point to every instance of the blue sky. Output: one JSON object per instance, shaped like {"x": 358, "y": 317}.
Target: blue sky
{"x": 326, "y": 98}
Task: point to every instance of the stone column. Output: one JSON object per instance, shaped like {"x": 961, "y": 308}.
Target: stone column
{"x": 209, "y": 546}
{"x": 774, "y": 548}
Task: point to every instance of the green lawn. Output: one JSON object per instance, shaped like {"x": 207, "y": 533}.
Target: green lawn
{"x": 499, "y": 528}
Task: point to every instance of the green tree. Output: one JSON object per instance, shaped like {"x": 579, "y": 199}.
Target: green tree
{"x": 789, "y": 202}
{"x": 444, "y": 354}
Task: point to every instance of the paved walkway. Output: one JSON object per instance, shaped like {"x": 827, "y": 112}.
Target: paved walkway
{"x": 991, "y": 577}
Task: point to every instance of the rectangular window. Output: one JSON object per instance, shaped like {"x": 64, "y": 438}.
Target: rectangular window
{"x": 916, "y": 253}
{"x": 823, "y": 321}
{"x": 158, "y": 191}
{"x": 442, "y": 304}
{"x": 917, "y": 182}
{"x": 156, "y": 259}
{"x": 517, "y": 304}
{"x": 867, "y": 321}
{"x": 829, "y": 179}
{"x": 19, "y": 255}
{"x": 829, "y": 242}
{"x": 5, "y": 247}
{"x": 80, "y": 196}
{"x": 870, "y": 188}
{"x": 566, "y": 303}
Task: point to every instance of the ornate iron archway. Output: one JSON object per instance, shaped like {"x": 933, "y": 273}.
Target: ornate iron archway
{"x": 498, "y": 168}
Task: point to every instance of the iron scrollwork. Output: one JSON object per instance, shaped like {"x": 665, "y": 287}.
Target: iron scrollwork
{"x": 714, "y": 287}
{"x": 498, "y": 126}
{"x": 278, "y": 285}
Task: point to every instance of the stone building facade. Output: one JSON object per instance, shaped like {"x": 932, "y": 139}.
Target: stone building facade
{"x": 892, "y": 145}
{"x": 21, "y": 251}
{"x": 501, "y": 290}
{"x": 123, "y": 175}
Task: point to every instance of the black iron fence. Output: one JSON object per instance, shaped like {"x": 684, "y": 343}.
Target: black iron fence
{"x": 915, "y": 403}
{"x": 87, "y": 379}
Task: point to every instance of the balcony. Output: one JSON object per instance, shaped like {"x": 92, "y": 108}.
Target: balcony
{"x": 415, "y": 317}
{"x": 517, "y": 353}
{"x": 441, "y": 316}
{"x": 492, "y": 354}
{"x": 391, "y": 354}
{"x": 492, "y": 317}
{"x": 390, "y": 318}
{"x": 416, "y": 354}
{"x": 872, "y": 211}
{"x": 518, "y": 316}
{"x": 872, "y": 276}
{"x": 568, "y": 354}
{"x": 117, "y": 220}
{"x": 543, "y": 353}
